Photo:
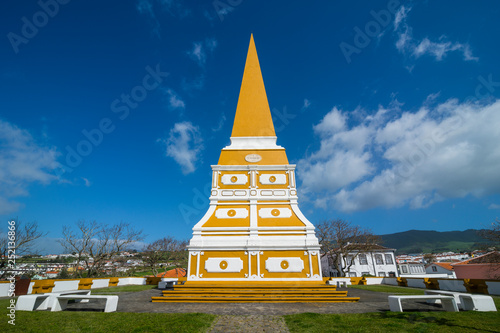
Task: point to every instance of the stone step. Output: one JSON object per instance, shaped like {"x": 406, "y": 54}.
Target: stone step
{"x": 255, "y": 292}
{"x": 279, "y": 286}
{"x": 246, "y": 299}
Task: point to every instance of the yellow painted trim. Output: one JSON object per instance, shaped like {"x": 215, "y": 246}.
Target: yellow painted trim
{"x": 113, "y": 282}
{"x": 43, "y": 286}
{"x": 85, "y": 284}
{"x": 269, "y": 157}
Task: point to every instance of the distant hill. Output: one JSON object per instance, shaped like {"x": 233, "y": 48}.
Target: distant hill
{"x": 429, "y": 241}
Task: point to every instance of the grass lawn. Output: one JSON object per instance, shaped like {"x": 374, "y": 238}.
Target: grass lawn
{"x": 395, "y": 322}
{"x": 86, "y": 321}
{"x": 469, "y": 321}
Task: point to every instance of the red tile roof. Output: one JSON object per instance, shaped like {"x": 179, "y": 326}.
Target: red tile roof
{"x": 173, "y": 273}
{"x": 488, "y": 258}
{"x": 445, "y": 265}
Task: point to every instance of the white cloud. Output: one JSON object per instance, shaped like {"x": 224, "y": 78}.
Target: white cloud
{"x": 184, "y": 145}
{"x": 493, "y": 206}
{"x": 307, "y": 104}
{"x": 416, "y": 159}
{"x": 174, "y": 101}
{"x": 438, "y": 49}
{"x": 222, "y": 120}
{"x": 151, "y": 8}
{"x": 400, "y": 16}
{"x": 199, "y": 51}
{"x": 86, "y": 182}
{"x": 22, "y": 162}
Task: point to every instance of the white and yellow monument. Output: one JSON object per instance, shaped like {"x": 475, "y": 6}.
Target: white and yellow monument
{"x": 254, "y": 229}
{"x": 253, "y": 244}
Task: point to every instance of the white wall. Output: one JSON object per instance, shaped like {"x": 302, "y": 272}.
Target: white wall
{"x": 493, "y": 287}
{"x": 452, "y": 285}
{"x": 65, "y": 285}
{"x": 131, "y": 281}
{"x": 4, "y": 289}
{"x": 434, "y": 276}
{"x": 100, "y": 283}
{"x": 415, "y": 283}
{"x": 30, "y": 288}
{"x": 390, "y": 281}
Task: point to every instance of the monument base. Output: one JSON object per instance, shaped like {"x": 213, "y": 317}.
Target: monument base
{"x": 254, "y": 292}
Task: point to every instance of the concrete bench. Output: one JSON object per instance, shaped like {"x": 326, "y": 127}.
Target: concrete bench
{"x": 342, "y": 284}
{"x": 446, "y": 293}
{"x": 448, "y": 302}
{"x": 52, "y": 296}
{"x": 62, "y": 301}
{"x": 166, "y": 284}
{"x": 472, "y": 302}
{"x": 44, "y": 301}
{"x": 32, "y": 302}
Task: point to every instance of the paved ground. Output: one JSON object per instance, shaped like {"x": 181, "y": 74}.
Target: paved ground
{"x": 141, "y": 302}
{"x": 248, "y": 324}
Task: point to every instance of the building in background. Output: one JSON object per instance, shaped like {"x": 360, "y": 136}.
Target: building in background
{"x": 378, "y": 261}
{"x": 441, "y": 268}
{"x": 486, "y": 266}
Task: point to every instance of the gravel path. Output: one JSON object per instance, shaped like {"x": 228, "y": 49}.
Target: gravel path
{"x": 248, "y": 324}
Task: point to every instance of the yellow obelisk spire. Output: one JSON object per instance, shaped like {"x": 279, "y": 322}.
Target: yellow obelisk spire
{"x": 253, "y": 140}
{"x": 253, "y": 116}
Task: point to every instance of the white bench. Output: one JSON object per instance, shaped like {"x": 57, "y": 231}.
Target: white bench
{"x": 32, "y": 302}
{"x": 477, "y": 302}
{"x": 52, "y": 296}
{"x": 43, "y": 301}
{"x": 342, "y": 284}
{"x": 166, "y": 284}
{"x": 446, "y": 293}
{"x": 62, "y": 301}
{"x": 448, "y": 302}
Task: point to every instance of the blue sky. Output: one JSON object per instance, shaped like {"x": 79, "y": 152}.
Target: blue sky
{"x": 114, "y": 111}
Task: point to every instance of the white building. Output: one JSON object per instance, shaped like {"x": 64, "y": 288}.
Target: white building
{"x": 378, "y": 261}
{"x": 450, "y": 256}
{"x": 411, "y": 268}
{"x": 441, "y": 268}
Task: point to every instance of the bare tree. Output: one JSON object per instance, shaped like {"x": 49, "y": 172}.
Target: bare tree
{"x": 19, "y": 240}
{"x": 93, "y": 244}
{"x": 167, "y": 250}
{"x": 492, "y": 235}
{"x": 429, "y": 258}
{"x": 342, "y": 243}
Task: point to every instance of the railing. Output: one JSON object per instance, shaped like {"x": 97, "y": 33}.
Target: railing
{"x": 59, "y": 285}
{"x": 478, "y": 286}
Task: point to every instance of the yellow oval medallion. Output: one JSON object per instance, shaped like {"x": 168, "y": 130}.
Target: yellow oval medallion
{"x": 284, "y": 264}
{"x": 272, "y": 179}
{"x": 223, "y": 264}
{"x": 231, "y": 213}
{"x": 234, "y": 179}
{"x": 275, "y": 212}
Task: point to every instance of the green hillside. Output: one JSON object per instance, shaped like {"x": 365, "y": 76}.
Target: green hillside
{"x": 429, "y": 241}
